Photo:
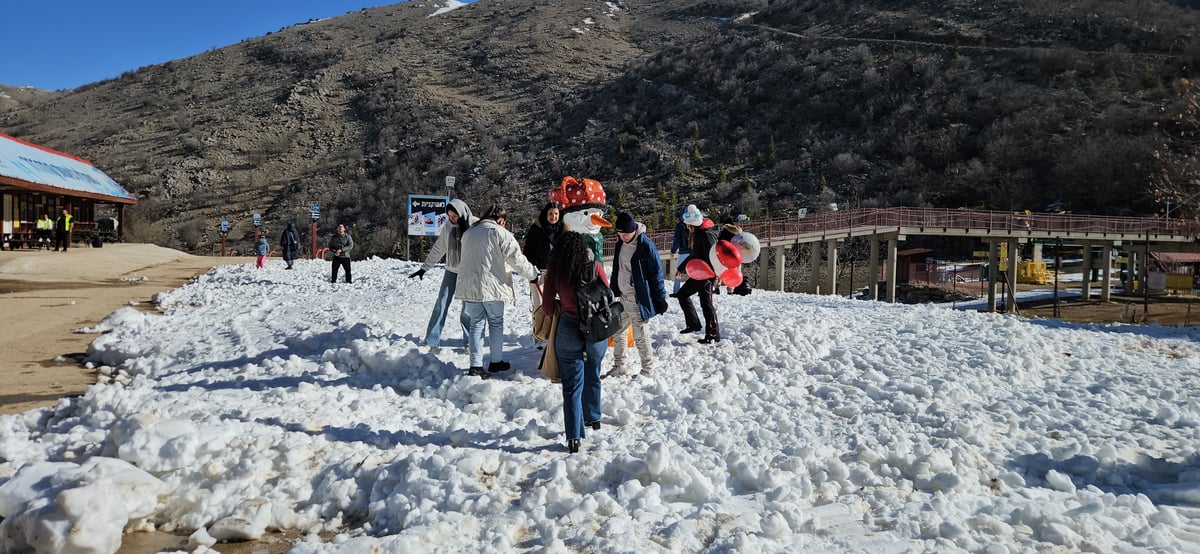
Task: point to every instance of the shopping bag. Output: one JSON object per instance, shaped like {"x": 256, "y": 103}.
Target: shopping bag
{"x": 549, "y": 363}
{"x": 628, "y": 338}
{"x": 542, "y": 330}
{"x": 542, "y": 326}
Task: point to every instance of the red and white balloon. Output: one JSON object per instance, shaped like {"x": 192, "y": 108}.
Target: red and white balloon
{"x": 725, "y": 260}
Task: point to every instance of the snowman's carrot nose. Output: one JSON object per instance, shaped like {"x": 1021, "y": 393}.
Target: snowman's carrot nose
{"x": 597, "y": 219}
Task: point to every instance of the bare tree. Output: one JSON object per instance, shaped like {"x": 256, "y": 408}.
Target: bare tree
{"x": 1177, "y": 184}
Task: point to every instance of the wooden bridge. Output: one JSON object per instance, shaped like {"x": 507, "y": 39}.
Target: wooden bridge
{"x": 885, "y": 228}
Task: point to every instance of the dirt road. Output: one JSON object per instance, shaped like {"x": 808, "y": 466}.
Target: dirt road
{"x": 45, "y": 296}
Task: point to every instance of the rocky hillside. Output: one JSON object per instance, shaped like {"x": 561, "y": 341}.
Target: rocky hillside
{"x": 14, "y": 98}
{"x": 739, "y": 106}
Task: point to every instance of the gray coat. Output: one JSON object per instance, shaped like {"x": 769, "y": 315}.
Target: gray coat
{"x": 341, "y": 242}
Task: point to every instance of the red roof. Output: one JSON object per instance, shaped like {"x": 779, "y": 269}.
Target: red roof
{"x": 1177, "y": 257}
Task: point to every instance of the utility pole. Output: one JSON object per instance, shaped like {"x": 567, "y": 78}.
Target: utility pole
{"x": 1057, "y": 267}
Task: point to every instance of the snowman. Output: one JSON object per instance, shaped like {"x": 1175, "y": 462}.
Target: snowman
{"x": 581, "y": 203}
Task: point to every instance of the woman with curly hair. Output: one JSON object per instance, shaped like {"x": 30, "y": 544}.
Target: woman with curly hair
{"x": 571, "y": 267}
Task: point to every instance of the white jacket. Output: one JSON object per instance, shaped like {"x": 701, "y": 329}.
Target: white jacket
{"x": 488, "y": 250}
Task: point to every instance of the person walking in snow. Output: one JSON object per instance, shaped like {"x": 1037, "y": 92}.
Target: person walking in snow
{"x": 340, "y": 246}
{"x": 637, "y": 281}
{"x": 485, "y": 286}
{"x": 290, "y": 243}
{"x": 681, "y": 247}
{"x": 262, "y": 249}
{"x": 571, "y": 267}
{"x": 703, "y": 236}
{"x": 449, "y": 246}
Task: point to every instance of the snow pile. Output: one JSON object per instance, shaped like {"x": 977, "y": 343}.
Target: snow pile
{"x": 272, "y": 399}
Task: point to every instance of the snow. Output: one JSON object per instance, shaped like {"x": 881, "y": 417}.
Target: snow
{"x": 271, "y": 399}
{"x": 449, "y": 6}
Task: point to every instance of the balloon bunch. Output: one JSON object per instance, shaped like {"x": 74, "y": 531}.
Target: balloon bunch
{"x": 725, "y": 259}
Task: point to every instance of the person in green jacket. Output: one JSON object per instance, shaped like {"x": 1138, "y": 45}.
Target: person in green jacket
{"x": 62, "y": 231}
{"x": 340, "y": 246}
{"x": 45, "y": 231}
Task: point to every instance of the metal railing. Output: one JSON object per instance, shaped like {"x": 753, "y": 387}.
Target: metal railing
{"x": 843, "y": 222}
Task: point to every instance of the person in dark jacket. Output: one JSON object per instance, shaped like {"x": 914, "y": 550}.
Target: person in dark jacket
{"x": 680, "y": 246}
{"x": 703, "y": 236}
{"x": 637, "y": 281}
{"x": 539, "y": 243}
{"x": 540, "y": 239}
{"x": 340, "y": 246}
{"x": 290, "y": 243}
{"x": 62, "y": 231}
{"x": 571, "y": 267}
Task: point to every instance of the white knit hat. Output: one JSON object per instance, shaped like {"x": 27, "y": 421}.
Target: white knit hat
{"x": 692, "y": 216}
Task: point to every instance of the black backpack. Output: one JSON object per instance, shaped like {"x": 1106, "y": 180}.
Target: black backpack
{"x": 599, "y": 312}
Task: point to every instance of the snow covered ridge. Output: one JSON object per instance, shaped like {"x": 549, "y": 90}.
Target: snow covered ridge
{"x": 449, "y": 6}
{"x": 267, "y": 399}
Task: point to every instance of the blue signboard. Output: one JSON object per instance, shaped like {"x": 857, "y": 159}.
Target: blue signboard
{"x": 427, "y": 215}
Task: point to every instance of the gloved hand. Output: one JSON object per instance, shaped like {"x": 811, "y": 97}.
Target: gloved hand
{"x": 418, "y": 273}
{"x": 660, "y": 306}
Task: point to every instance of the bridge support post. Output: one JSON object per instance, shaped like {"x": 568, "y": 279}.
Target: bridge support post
{"x": 779, "y": 269}
{"x": 891, "y": 270}
{"x": 1106, "y": 272}
{"x": 1087, "y": 270}
{"x": 831, "y": 252}
{"x": 1014, "y": 259}
{"x": 814, "y": 267}
{"x": 993, "y": 272}
{"x": 873, "y": 267}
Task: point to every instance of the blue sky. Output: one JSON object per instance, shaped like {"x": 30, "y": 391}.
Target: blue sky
{"x": 53, "y": 44}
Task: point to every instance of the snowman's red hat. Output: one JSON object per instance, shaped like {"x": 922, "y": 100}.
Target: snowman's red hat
{"x": 577, "y": 194}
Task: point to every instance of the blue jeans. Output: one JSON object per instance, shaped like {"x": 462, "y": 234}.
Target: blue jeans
{"x": 579, "y": 369}
{"x": 433, "y": 333}
{"x": 473, "y": 314}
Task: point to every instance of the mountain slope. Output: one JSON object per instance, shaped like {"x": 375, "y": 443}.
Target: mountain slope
{"x": 739, "y": 106}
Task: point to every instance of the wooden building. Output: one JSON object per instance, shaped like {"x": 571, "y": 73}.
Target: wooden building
{"x": 35, "y": 180}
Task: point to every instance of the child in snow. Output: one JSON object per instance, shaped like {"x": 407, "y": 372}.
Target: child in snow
{"x": 262, "y": 249}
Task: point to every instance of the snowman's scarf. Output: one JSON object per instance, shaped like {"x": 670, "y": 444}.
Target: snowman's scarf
{"x": 596, "y": 242}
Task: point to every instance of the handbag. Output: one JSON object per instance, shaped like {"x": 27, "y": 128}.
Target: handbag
{"x": 542, "y": 330}
{"x": 543, "y": 325}
{"x": 549, "y": 363}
